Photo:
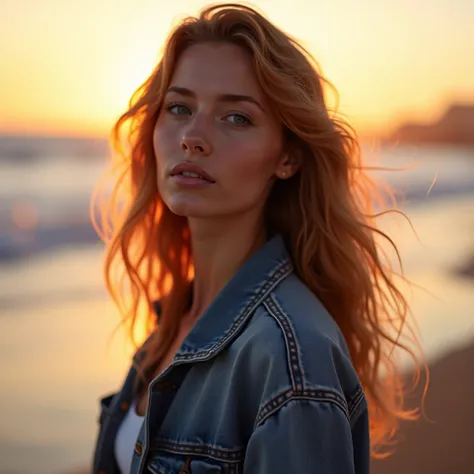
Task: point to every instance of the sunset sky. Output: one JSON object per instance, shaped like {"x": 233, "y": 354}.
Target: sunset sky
{"x": 69, "y": 67}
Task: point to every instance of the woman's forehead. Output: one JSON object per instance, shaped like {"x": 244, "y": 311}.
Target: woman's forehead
{"x": 217, "y": 69}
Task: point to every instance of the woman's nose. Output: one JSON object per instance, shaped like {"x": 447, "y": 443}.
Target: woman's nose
{"x": 195, "y": 145}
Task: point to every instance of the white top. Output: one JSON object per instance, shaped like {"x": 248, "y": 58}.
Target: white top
{"x": 126, "y": 439}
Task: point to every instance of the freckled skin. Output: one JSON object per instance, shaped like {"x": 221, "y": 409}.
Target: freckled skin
{"x": 237, "y": 143}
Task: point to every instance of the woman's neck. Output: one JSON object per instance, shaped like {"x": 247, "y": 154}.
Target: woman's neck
{"x": 219, "y": 249}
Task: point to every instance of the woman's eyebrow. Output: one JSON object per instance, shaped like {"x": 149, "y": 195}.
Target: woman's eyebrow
{"x": 220, "y": 98}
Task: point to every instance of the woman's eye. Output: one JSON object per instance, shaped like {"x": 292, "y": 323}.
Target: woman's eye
{"x": 236, "y": 119}
{"x": 239, "y": 119}
{"x": 178, "y": 109}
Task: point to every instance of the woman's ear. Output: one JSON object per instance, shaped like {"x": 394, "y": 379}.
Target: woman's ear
{"x": 289, "y": 164}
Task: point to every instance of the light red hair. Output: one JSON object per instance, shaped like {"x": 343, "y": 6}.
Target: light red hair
{"x": 325, "y": 213}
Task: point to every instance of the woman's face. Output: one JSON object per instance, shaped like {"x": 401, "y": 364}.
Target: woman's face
{"x": 216, "y": 127}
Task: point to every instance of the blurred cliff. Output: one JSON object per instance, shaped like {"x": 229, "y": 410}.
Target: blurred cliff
{"x": 455, "y": 127}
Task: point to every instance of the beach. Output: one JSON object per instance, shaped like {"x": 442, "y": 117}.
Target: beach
{"x": 56, "y": 321}
{"x": 365, "y": 111}
{"x": 441, "y": 441}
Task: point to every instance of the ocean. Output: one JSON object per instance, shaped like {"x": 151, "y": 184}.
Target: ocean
{"x": 56, "y": 319}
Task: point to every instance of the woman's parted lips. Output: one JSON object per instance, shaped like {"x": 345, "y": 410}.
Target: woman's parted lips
{"x": 191, "y": 168}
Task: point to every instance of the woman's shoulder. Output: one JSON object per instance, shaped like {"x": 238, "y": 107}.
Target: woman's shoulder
{"x": 293, "y": 300}
{"x": 300, "y": 346}
{"x": 296, "y": 313}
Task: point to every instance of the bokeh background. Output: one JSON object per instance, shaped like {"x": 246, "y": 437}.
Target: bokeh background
{"x": 405, "y": 74}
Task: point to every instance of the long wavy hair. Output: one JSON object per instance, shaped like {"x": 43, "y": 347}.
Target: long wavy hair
{"x": 326, "y": 213}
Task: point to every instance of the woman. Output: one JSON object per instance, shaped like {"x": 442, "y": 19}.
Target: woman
{"x": 246, "y": 227}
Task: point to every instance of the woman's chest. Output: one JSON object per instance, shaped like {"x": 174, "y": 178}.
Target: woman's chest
{"x": 168, "y": 357}
{"x": 207, "y": 425}
{"x": 201, "y": 413}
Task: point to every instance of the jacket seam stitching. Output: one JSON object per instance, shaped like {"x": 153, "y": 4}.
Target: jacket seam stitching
{"x": 279, "y": 274}
{"x": 320, "y": 396}
{"x": 293, "y": 355}
{"x": 216, "y": 453}
{"x": 355, "y": 402}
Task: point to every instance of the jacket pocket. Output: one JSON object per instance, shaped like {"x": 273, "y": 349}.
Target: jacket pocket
{"x": 169, "y": 463}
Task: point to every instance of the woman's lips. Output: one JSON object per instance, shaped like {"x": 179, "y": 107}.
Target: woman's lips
{"x": 191, "y": 171}
{"x": 190, "y": 181}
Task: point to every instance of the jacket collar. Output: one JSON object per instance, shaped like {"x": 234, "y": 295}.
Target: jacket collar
{"x": 233, "y": 306}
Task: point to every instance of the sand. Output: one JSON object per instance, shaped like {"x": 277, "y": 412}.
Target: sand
{"x": 445, "y": 444}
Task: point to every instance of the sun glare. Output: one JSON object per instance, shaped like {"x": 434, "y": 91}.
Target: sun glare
{"x": 130, "y": 71}
{"x": 82, "y": 83}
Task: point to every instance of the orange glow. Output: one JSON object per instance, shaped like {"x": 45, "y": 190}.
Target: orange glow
{"x": 389, "y": 63}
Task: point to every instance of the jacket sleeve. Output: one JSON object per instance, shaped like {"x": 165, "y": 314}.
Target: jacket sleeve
{"x": 307, "y": 436}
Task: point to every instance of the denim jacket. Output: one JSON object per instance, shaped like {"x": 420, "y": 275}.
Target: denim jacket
{"x": 263, "y": 384}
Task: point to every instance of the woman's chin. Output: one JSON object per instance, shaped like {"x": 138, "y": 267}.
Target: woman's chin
{"x": 190, "y": 209}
